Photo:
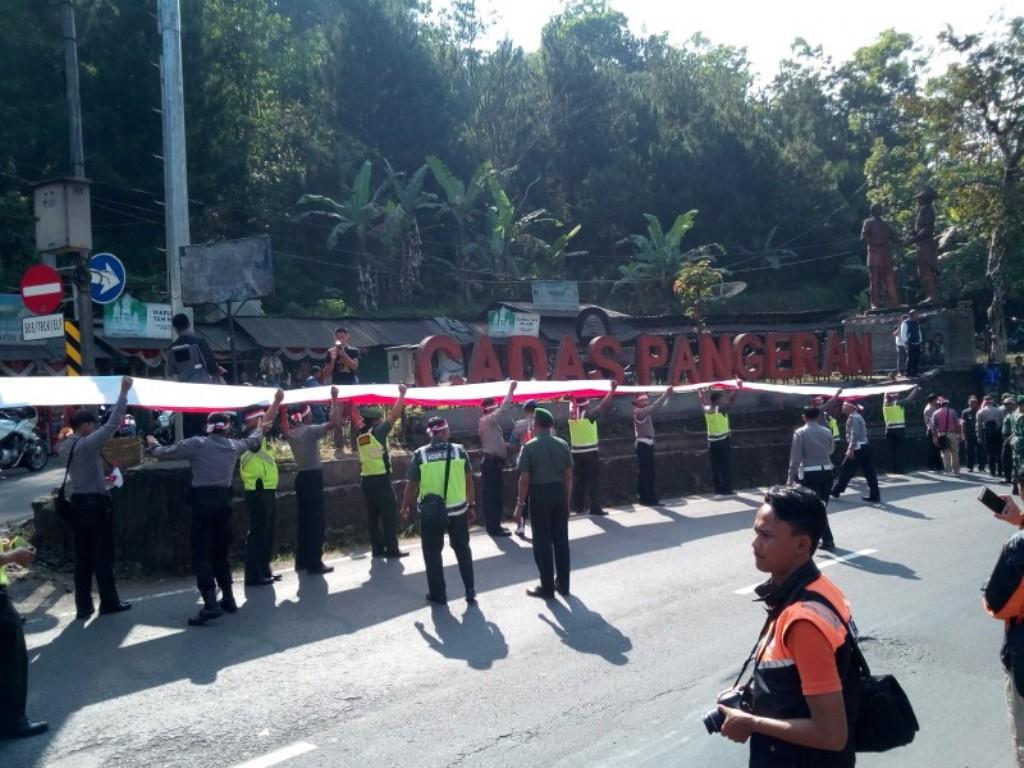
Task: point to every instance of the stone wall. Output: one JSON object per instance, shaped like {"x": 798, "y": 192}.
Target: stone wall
{"x": 152, "y": 515}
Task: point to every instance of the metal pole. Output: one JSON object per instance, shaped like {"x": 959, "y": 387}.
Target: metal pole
{"x": 231, "y": 345}
{"x": 74, "y": 98}
{"x": 175, "y": 172}
{"x": 83, "y": 309}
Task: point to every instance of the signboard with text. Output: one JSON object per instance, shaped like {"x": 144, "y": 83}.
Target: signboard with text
{"x": 502, "y": 323}
{"x": 41, "y": 327}
{"x": 129, "y": 317}
{"x": 556, "y": 294}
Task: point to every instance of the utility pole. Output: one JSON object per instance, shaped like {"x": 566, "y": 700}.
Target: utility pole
{"x": 82, "y": 278}
{"x": 175, "y": 173}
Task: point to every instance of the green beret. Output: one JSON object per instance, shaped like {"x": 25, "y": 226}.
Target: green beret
{"x": 371, "y": 413}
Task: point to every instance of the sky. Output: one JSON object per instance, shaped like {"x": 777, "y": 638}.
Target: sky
{"x": 766, "y": 28}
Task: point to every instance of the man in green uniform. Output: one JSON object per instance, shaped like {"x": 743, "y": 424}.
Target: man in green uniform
{"x": 375, "y": 469}
{"x": 443, "y": 469}
{"x": 13, "y": 655}
{"x": 584, "y": 441}
{"x": 258, "y": 470}
{"x": 1016, "y": 420}
{"x": 545, "y": 476}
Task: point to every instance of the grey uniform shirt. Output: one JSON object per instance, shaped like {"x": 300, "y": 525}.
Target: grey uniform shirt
{"x": 85, "y": 474}
{"x": 990, "y": 414}
{"x": 856, "y": 431}
{"x": 212, "y": 457}
{"x": 491, "y": 438}
{"x": 643, "y": 424}
{"x": 812, "y": 447}
{"x": 304, "y": 440}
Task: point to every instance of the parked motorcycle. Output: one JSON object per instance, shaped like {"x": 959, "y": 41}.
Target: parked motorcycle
{"x": 20, "y": 443}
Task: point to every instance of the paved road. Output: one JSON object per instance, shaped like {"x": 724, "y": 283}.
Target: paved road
{"x": 19, "y": 488}
{"x": 355, "y": 670}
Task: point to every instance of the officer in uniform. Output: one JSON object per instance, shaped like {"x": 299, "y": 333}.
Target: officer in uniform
{"x": 258, "y": 470}
{"x": 495, "y": 454}
{"x": 522, "y": 433}
{"x": 810, "y": 463}
{"x": 827, "y": 418}
{"x": 643, "y": 428}
{"x": 304, "y": 438}
{"x": 92, "y": 512}
{"x": 584, "y": 442}
{"x": 858, "y": 454}
{"x": 375, "y": 470}
{"x": 894, "y": 412}
{"x": 213, "y": 459}
{"x": 716, "y": 416}
{"x": 427, "y": 476}
{"x": 13, "y": 654}
{"x": 545, "y": 475}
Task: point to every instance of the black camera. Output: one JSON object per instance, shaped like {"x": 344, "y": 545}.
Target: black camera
{"x": 735, "y": 698}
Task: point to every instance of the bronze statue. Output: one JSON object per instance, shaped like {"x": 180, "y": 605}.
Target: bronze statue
{"x": 927, "y": 249}
{"x": 879, "y": 237}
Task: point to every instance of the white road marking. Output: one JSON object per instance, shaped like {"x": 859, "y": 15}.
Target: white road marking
{"x": 279, "y": 755}
{"x": 822, "y": 564}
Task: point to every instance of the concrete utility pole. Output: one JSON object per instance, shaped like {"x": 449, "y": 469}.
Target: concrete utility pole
{"x": 82, "y": 277}
{"x": 175, "y": 173}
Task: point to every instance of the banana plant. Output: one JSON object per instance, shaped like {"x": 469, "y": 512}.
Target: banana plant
{"x": 460, "y": 203}
{"x": 357, "y": 214}
{"x": 401, "y": 225}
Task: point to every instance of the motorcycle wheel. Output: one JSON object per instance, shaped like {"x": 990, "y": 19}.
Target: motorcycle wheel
{"x": 35, "y": 457}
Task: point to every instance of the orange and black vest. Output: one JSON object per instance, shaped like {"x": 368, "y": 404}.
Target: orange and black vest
{"x": 775, "y": 687}
{"x": 1004, "y": 597}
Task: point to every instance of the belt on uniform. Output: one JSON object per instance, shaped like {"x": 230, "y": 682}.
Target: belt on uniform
{"x": 645, "y": 440}
{"x": 88, "y": 496}
{"x": 895, "y": 426}
{"x": 819, "y": 468}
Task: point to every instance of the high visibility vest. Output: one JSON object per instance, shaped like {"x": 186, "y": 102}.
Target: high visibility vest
{"x": 371, "y": 456}
{"x": 833, "y": 425}
{"x": 259, "y": 465}
{"x": 582, "y": 435}
{"x": 895, "y": 416}
{"x": 718, "y": 425}
{"x": 431, "y": 461}
{"x": 6, "y": 546}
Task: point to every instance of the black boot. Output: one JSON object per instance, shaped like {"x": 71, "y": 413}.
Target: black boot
{"x": 227, "y": 600}
{"x": 210, "y": 609}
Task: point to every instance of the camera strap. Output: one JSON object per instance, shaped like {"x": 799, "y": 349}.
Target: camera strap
{"x": 753, "y": 651}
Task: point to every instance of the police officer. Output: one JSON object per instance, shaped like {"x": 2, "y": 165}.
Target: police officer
{"x": 304, "y": 438}
{"x": 1006, "y": 456}
{"x": 492, "y": 469}
{"x": 810, "y": 463}
{"x": 258, "y": 470}
{"x": 583, "y": 440}
{"x": 212, "y": 459}
{"x": 91, "y": 509}
{"x": 522, "y": 433}
{"x": 803, "y": 693}
{"x": 375, "y": 471}
{"x": 426, "y": 476}
{"x": 894, "y": 413}
{"x": 716, "y": 417}
{"x": 545, "y": 475}
{"x": 13, "y": 654}
{"x": 643, "y": 429}
{"x": 858, "y": 454}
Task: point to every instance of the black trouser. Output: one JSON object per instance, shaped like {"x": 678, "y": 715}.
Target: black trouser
{"x": 646, "y": 484}
{"x": 720, "y": 452}
{"x": 861, "y": 458}
{"x": 13, "y": 665}
{"x": 309, "y": 537}
{"x": 994, "y": 449}
{"x": 895, "y": 437}
{"x": 381, "y": 514}
{"x": 971, "y": 455}
{"x": 259, "y": 541}
{"x": 934, "y": 455}
{"x": 211, "y": 538}
{"x": 820, "y": 481}
{"x": 1006, "y": 458}
{"x": 432, "y": 542}
{"x": 491, "y": 471}
{"x": 550, "y": 528}
{"x": 93, "y": 521}
{"x": 913, "y": 359}
{"x": 586, "y": 481}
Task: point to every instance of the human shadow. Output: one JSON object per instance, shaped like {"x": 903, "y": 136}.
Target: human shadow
{"x": 474, "y": 640}
{"x": 880, "y": 567}
{"x": 904, "y": 512}
{"x": 586, "y": 631}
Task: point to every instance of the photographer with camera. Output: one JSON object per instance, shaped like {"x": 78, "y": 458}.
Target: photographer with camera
{"x": 799, "y": 704}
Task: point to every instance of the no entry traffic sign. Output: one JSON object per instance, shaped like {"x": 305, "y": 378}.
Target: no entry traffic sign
{"x": 41, "y": 289}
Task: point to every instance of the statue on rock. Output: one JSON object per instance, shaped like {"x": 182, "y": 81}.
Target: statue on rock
{"x": 927, "y": 248}
{"x": 879, "y": 236}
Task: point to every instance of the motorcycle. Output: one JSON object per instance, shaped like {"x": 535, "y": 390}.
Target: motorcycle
{"x": 20, "y": 443}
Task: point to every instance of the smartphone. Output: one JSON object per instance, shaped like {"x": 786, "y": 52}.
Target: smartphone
{"x": 992, "y": 501}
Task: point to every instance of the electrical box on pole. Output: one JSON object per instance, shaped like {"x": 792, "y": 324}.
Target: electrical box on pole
{"x": 63, "y": 216}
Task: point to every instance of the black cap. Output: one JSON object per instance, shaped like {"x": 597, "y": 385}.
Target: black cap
{"x": 80, "y": 417}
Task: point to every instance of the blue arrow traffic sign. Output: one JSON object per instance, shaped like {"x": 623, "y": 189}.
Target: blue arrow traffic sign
{"x": 108, "y": 278}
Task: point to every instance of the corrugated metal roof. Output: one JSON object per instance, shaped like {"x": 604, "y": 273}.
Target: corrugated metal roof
{"x": 217, "y": 335}
{"x": 50, "y": 350}
{"x": 526, "y": 306}
{"x": 318, "y": 334}
{"x": 288, "y": 332}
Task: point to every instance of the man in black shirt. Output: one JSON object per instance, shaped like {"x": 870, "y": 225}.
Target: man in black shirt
{"x": 969, "y": 436}
{"x": 342, "y": 360}
{"x": 191, "y": 360}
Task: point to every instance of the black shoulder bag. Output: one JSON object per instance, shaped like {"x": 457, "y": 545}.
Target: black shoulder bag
{"x": 885, "y": 718}
{"x": 62, "y": 503}
{"x": 434, "y": 508}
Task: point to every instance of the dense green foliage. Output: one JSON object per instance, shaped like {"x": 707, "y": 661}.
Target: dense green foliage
{"x": 433, "y": 175}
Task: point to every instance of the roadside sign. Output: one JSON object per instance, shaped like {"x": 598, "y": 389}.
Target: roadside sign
{"x": 108, "y": 278}
{"x": 41, "y": 289}
{"x": 42, "y": 327}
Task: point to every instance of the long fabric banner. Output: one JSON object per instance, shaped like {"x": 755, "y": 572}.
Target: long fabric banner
{"x": 206, "y": 398}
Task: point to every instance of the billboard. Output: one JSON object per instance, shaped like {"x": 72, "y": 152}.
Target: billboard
{"x": 129, "y": 318}
{"x": 228, "y": 270}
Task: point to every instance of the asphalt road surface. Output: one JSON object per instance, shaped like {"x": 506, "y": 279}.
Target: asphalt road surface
{"x": 355, "y": 670}
{"x": 19, "y": 488}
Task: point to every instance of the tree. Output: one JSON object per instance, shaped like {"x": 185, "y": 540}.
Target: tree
{"x": 402, "y": 227}
{"x": 460, "y": 203}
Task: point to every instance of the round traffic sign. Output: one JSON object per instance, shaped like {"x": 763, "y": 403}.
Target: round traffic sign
{"x": 41, "y": 289}
{"x": 108, "y": 278}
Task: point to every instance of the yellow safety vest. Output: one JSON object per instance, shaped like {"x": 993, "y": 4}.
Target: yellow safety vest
{"x": 6, "y": 546}
{"x": 371, "y": 456}
{"x": 431, "y": 461}
{"x": 894, "y": 416}
{"x": 583, "y": 435}
{"x": 834, "y": 426}
{"x": 259, "y": 465}
{"x": 718, "y": 425}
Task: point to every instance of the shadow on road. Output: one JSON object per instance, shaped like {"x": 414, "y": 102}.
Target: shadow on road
{"x": 474, "y": 640}
{"x": 586, "y": 631}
